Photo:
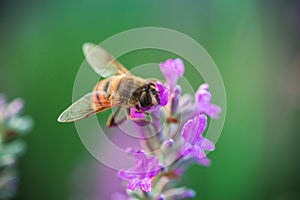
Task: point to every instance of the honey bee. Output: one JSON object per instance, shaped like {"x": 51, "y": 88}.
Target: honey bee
{"x": 119, "y": 89}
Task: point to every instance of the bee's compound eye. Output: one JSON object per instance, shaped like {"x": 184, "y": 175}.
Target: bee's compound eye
{"x": 154, "y": 91}
{"x": 145, "y": 100}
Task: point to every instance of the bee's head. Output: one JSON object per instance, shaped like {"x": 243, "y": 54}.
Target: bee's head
{"x": 149, "y": 95}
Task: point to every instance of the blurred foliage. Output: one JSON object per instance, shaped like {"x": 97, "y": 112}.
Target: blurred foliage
{"x": 12, "y": 127}
{"x": 255, "y": 44}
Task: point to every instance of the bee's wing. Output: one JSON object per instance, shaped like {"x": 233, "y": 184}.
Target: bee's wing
{"x": 86, "y": 106}
{"x": 102, "y": 62}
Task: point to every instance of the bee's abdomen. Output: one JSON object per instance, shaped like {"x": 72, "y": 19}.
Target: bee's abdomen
{"x": 101, "y": 92}
{"x": 103, "y": 85}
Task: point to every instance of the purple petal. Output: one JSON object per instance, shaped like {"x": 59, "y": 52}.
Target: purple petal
{"x": 193, "y": 129}
{"x": 164, "y": 92}
{"x": 139, "y": 118}
{"x": 140, "y": 160}
{"x": 204, "y": 86}
{"x": 202, "y": 123}
{"x": 133, "y": 184}
{"x": 198, "y": 152}
{"x": 205, "y": 162}
{"x": 131, "y": 150}
{"x": 151, "y": 108}
{"x": 14, "y": 107}
{"x": 189, "y": 194}
{"x": 186, "y": 149}
{"x": 188, "y": 131}
{"x": 207, "y": 145}
{"x": 214, "y": 111}
{"x": 134, "y": 113}
{"x": 172, "y": 70}
{"x": 125, "y": 175}
{"x": 168, "y": 143}
{"x": 203, "y": 99}
{"x": 141, "y": 174}
{"x": 146, "y": 185}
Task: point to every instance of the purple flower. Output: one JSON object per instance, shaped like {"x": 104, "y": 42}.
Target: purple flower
{"x": 9, "y": 110}
{"x": 194, "y": 143}
{"x": 136, "y": 114}
{"x": 10, "y": 117}
{"x": 141, "y": 175}
{"x": 203, "y": 99}
{"x": 172, "y": 70}
{"x": 139, "y": 117}
{"x": 158, "y": 133}
{"x": 14, "y": 107}
{"x": 12, "y": 126}
{"x": 164, "y": 92}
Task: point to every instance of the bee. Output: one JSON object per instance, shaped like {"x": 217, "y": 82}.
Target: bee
{"x": 119, "y": 89}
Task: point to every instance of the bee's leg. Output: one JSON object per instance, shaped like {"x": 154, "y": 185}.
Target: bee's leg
{"x": 111, "y": 122}
{"x": 137, "y": 107}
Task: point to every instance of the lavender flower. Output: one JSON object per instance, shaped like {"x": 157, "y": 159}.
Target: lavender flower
{"x": 172, "y": 70}
{"x": 204, "y": 105}
{"x": 164, "y": 92}
{"x": 140, "y": 176}
{"x": 11, "y": 127}
{"x": 167, "y": 154}
{"x": 136, "y": 114}
{"x": 194, "y": 143}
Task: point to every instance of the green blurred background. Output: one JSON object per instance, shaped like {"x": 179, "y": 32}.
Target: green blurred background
{"x": 255, "y": 44}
